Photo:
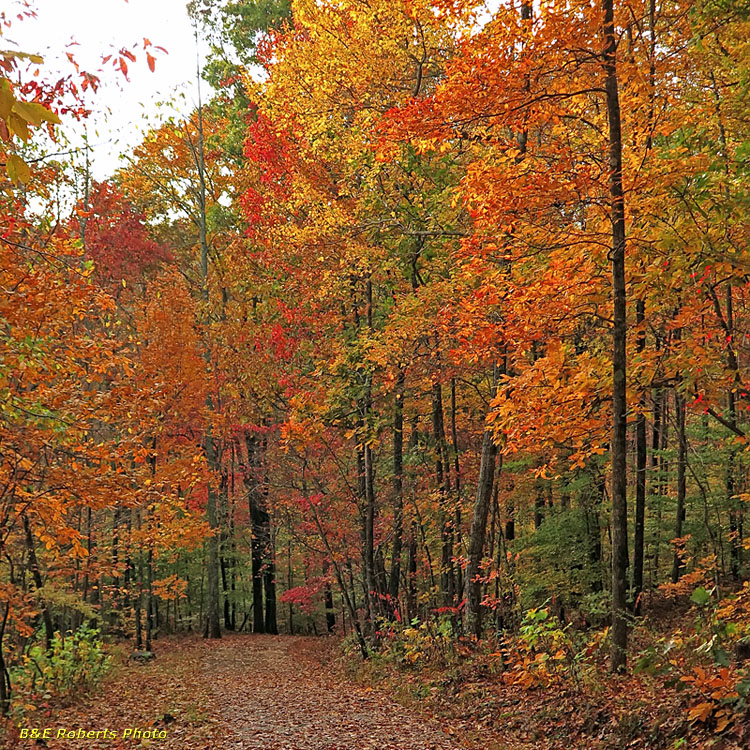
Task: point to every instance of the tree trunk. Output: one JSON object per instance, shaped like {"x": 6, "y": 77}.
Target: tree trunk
{"x": 257, "y": 526}
{"x": 289, "y": 581}
{"x": 447, "y": 579}
{"x": 618, "y": 656}
{"x": 269, "y": 589}
{"x": 411, "y": 588}
{"x": 398, "y": 488}
{"x": 663, "y": 478}
{"x": 538, "y": 505}
{"x": 213, "y": 627}
{"x": 472, "y": 587}
{"x": 330, "y": 614}
{"x": 139, "y": 597}
{"x": 457, "y": 486}
{"x": 370, "y": 582}
{"x": 677, "y": 561}
{"x": 269, "y": 555}
{"x": 149, "y": 600}
{"x": 115, "y": 598}
{"x": 37, "y": 577}
{"x": 640, "y": 475}
{"x": 5, "y": 687}
{"x": 735, "y": 520}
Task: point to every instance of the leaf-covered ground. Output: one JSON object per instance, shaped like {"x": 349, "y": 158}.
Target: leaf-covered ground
{"x": 254, "y": 692}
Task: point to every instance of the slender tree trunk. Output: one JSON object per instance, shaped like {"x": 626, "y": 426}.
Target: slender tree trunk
{"x": 257, "y": 540}
{"x": 398, "y": 487}
{"x": 269, "y": 560}
{"x": 510, "y": 521}
{"x": 472, "y": 586}
{"x": 735, "y": 519}
{"x": 618, "y": 656}
{"x": 457, "y": 486}
{"x": 370, "y": 582}
{"x": 330, "y": 614}
{"x": 87, "y": 564}
{"x": 290, "y": 581}
{"x": 641, "y": 450}
{"x": 139, "y": 597}
{"x": 447, "y": 579}
{"x": 223, "y": 565}
{"x": 259, "y": 623}
{"x": 677, "y": 561}
{"x": 37, "y": 577}
{"x": 269, "y": 589}
{"x": 213, "y": 627}
{"x": 538, "y": 505}
{"x": 5, "y": 686}
{"x": 655, "y": 442}
{"x": 129, "y": 568}
{"x": 663, "y": 478}
{"x": 640, "y": 473}
{"x": 149, "y": 601}
{"x": 116, "y": 597}
{"x": 225, "y": 562}
{"x": 411, "y": 574}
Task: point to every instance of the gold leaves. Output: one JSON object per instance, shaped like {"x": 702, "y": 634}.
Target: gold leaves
{"x": 6, "y": 99}
{"x": 18, "y": 170}
{"x": 15, "y": 118}
{"x": 35, "y": 113}
{"x": 18, "y": 126}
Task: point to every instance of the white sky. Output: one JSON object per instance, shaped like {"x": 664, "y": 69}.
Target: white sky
{"x": 122, "y": 110}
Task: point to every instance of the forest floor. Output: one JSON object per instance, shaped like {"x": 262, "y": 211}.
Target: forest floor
{"x": 244, "y": 691}
{"x": 260, "y": 692}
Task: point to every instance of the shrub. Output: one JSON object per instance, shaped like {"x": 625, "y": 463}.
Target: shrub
{"x": 75, "y": 661}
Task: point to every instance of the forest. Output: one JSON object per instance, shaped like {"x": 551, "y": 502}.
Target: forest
{"x": 427, "y": 330}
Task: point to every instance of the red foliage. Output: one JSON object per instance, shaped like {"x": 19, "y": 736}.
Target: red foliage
{"x": 117, "y": 238}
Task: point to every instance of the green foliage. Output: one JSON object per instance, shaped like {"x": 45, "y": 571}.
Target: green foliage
{"x": 419, "y": 643}
{"x": 234, "y": 29}
{"x": 53, "y": 596}
{"x": 74, "y": 662}
{"x": 545, "y": 651}
{"x": 539, "y": 631}
{"x": 556, "y": 559}
{"x": 239, "y": 24}
{"x": 700, "y": 596}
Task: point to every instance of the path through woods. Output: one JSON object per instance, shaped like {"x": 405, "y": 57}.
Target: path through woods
{"x": 246, "y": 692}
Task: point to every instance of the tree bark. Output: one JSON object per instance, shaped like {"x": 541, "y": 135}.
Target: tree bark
{"x": 618, "y": 655}
{"x": 640, "y": 474}
{"x": 677, "y": 561}
{"x": 37, "y": 577}
{"x": 212, "y": 627}
{"x": 447, "y": 578}
{"x": 472, "y": 587}
{"x": 538, "y": 505}
{"x": 258, "y": 530}
{"x": 735, "y": 519}
{"x": 398, "y": 487}
{"x": 330, "y": 614}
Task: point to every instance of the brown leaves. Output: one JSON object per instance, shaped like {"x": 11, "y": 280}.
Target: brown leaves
{"x": 290, "y": 703}
{"x": 248, "y": 693}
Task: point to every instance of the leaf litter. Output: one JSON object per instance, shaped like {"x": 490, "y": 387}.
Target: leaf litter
{"x": 243, "y": 692}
